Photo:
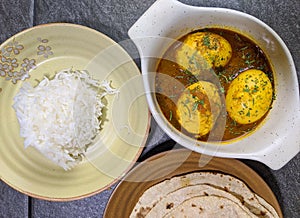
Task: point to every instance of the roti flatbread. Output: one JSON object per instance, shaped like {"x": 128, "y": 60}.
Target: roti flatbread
{"x": 208, "y": 206}
{"x": 227, "y": 183}
{"x": 267, "y": 205}
{"x": 174, "y": 199}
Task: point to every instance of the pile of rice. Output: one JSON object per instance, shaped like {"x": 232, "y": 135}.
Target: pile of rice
{"x": 61, "y": 117}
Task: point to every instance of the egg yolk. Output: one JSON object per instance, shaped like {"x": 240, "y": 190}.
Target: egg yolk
{"x": 249, "y": 96}
{"x": 203, "y": 50}
{"x": 198, "y": 107}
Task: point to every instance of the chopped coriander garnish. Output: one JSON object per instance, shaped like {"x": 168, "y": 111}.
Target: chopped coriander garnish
{"x": 186, "y": 71}
{"x": 234, "y": 122}
{"x": 172, "y": 96}
{"x": 197, "y": 103}
{"x": 227, "y": 81}
{"x": 244, "y": 105}
{"x": 244, "y": 48}
{"x": 206, "y": 40}
{"x": 246, "y": 90}
{"x": 255, "y": 90}
{"x": 201, "y": 102}
{"x": 188, "y": 110}
{"x": 170, "y": 116}
{"x": 248, "y": 62}
{"x": 237, "y": 37}
{"x": 248, "y": 113}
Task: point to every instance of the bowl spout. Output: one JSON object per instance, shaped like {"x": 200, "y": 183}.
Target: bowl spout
{"x": 154, "y": 30}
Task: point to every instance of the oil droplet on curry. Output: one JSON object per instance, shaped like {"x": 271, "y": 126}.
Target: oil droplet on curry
{"x": 214, "y": 76}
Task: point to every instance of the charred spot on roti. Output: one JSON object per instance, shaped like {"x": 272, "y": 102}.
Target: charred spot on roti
{"x": 266, "y": 205}
{"x": 193, "y": 205}
{"x": 169, "y": 206}
{"x": 221, "y": 206}
{"x": 143, "y": 212}
{"x": 263, "y": 213}
{"x": 211, "y": 207}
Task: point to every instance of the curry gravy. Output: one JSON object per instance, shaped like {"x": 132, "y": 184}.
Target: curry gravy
{"x": 245, "y": 55}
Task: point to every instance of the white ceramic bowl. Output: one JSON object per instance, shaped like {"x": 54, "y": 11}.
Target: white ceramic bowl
{"x": 273, "y": 143}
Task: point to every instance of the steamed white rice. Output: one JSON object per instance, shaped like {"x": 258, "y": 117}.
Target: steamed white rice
{"x": 62, "y": 116}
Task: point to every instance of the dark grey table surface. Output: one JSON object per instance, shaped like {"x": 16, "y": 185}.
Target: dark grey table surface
{"x": 114, "y": 18}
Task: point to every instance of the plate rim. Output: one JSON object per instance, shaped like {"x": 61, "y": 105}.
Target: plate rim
{"x": 147, "y": 127}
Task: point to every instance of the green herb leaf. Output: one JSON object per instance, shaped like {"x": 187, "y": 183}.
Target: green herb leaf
{"x": 248, "y": 62}
{"x": 170, "y": 116}
{"x": 197, "y": 103}
{"x": 201, "y": 102}
{"x": 246, "y": 90}
{"x": 227, "y": 81}
{"x": 195, "y": 106}
{"x": 206, "y": 40}
{"x": 244, "y": 48}
{"x": 187, "y": 72}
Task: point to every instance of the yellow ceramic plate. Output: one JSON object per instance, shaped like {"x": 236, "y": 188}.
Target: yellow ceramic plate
{"x": 179, "y": 162}
{"x": 44, "y": 50}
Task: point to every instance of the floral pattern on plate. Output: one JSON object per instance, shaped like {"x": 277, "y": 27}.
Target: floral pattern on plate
{"x": 43, "y": 48}
{"x": 13, "y": 68}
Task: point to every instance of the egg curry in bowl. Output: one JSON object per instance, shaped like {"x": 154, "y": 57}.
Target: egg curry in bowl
{"x": 225, "y": 77}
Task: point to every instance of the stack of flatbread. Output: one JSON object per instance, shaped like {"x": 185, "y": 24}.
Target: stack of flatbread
{"x": 202, "y": 194}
